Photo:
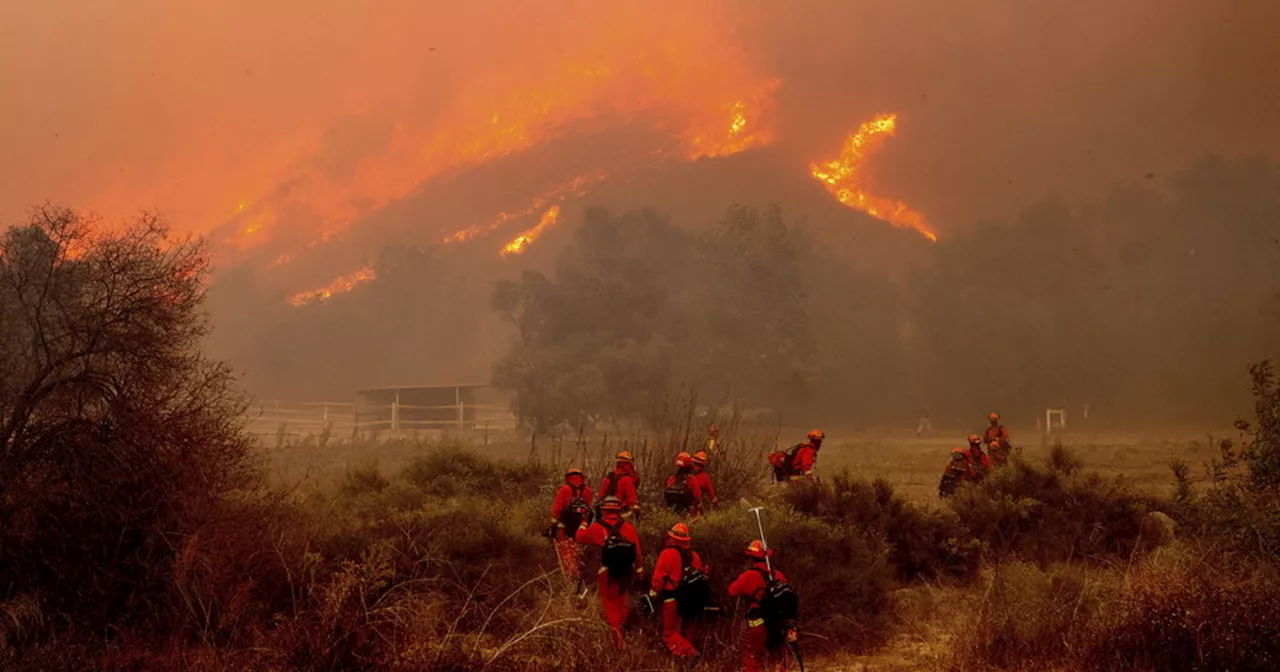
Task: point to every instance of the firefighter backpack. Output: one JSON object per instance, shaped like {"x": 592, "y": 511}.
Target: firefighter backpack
{"x": 679, "y": 496}
{"x": 610, "y": 489}
{"x": 779, "y": 605}
{"x": 618, "y": 555}
{"x": 693, "y": 593}
{"x": 783, "y": 462}
{"x": 576, "y": 512}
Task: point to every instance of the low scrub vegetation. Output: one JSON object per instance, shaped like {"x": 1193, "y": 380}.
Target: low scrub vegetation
{"x": 1054, "y": 512}
{"x": 138, "y": 533}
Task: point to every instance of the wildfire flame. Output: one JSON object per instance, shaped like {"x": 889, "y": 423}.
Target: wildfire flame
{"x": 681, "y": 75}
{"x": 844, "y": 177}
{"x": 518, "y": 245}
{"x": 340, "y": 285}
{"x": 575, "y": 187}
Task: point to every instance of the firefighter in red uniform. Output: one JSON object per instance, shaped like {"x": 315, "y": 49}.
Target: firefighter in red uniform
{"x": 996, "y": 432}
{"x": 616, "y": 575}
{"x": 706, "y": 490}
{"x": 677, "y": 633}
{"x": 957, "y": 472}
{"x": 998, "y": 451}
{"x": 758, "y": 648}
{"x": 570, "y": 509}
{"x": 683, "y": 493}
{"x": 622, "y": 484}
{"x": 980, "y": 463}
{"x": 807, "y": 456}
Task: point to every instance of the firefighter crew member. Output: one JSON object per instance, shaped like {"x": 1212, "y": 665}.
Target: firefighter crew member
{"x": 621, "y": 562}
{"x": 759, "y": 648}
{"x": 706, "y": 490}
{"x": 622, "y": 483}
{"x": 572, "y": 506}
{"x": 999, "y": 452}
{"x": 996, "y": 432}
{"x": 957, "y": 472}
{"x": 683, "y": 493}
{"x": 980, "y": 463}
{"x": 668, "y": 572}
{"x": 807, "y": 456}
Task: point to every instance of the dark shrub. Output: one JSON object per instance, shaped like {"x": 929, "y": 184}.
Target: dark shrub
{"x": 925, "y": 544}
{"x": 451, "y": 471}
{"x": 1193, "y": 618}
{"x": 1053, "y": 513}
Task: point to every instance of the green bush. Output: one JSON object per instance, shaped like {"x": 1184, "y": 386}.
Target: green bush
{"x": 454, "y": 470}
{"x": 922, "y": 544}
{"x": 1054, "y": 513}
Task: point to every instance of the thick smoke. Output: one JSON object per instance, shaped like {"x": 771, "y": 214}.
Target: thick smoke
{"x": 347, "y": 134}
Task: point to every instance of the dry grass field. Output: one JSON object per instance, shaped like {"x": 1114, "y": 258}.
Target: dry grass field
{"x": 911, "y": 464}
{"x": 927, "y": 614}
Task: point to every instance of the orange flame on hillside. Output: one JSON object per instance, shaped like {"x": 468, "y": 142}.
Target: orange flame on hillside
{"x": 575, "y": 187}
{"x": 518, "y": 245}
{"x": 679, "y": 73}
{"x": 340, "y": 285}
{"x": 844, "y": 179}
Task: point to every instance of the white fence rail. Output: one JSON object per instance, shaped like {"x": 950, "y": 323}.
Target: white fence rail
{"x": 292, "y": 421}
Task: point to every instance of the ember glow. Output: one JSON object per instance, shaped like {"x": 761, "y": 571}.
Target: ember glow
{"x": 340, "y": 285}
{"x": 845, "y": 177}
{"x": 518, "y": 245}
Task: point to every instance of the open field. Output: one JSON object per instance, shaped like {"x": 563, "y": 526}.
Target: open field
{"x": 911, "y": 464}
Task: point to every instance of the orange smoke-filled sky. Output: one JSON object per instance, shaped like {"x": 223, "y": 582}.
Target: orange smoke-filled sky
{"x": 202, "y": 109}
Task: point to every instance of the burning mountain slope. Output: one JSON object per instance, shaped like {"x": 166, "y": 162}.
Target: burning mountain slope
{"x": 693, "y": 194}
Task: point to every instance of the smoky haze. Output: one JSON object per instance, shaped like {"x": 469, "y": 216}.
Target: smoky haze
{"x": 310, "y": 139}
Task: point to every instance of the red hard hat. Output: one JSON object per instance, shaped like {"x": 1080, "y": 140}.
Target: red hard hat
{"x": 679, "y": 532}
{"x": 756, "y": 550}
{"x": 682, "y": 459}
{"x": 993, "y": 416}
{"x": 817, "y": 435}
{"x": 700, "y": 458}
{"x": 624, "y": 456}
{"x": 573, "y": 471}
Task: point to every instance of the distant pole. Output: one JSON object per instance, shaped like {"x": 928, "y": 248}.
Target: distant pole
{"x": 457, "y": 400}
{"x": 395, "y": 412}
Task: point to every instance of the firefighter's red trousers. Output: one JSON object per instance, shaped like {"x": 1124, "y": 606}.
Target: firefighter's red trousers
{"x": 677, "y": 636}
{"x": 614, "y": 592}
{"x": 756, "y": 655}
{"x": 570, "y": 554}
